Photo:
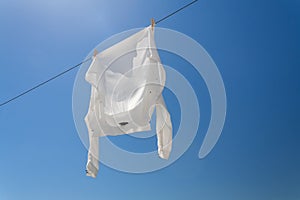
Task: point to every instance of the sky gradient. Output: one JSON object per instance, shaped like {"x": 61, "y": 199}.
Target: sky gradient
{"x": 256, "y": 46}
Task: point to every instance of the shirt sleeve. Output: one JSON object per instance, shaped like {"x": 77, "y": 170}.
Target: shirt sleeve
{"x": 163, "y": 129}
{"x": 92, "y": 165}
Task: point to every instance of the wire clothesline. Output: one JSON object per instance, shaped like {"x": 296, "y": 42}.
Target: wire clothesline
{"x": 79, "y": 64}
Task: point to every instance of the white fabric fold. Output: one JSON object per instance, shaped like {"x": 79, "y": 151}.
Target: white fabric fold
{"x": 127, "y": 81}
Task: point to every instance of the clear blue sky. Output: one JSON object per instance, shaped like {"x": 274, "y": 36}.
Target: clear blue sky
{"x": 256, "y": 46}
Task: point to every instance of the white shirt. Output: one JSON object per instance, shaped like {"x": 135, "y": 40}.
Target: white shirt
{"x": 127, "y": 81}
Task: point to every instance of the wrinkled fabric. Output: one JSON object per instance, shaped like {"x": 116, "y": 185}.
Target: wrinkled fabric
{"x": 127, "y": 81}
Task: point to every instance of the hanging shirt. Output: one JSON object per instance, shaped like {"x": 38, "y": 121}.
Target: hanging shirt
{"x": 127, "y": 81}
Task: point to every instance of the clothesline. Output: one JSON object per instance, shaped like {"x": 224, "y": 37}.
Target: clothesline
{"x": 79, "y": 64}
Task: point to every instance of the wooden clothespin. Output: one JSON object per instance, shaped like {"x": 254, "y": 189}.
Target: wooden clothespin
{"x": 152, "y": 23}
{"x": 95, "y": 53}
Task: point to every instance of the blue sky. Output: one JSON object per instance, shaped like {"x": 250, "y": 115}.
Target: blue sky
{"x": 256, "y": 46}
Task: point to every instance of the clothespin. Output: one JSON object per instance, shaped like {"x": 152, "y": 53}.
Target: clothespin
{"x": 95, "y": 53}
{"x": 152, "y": 23}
